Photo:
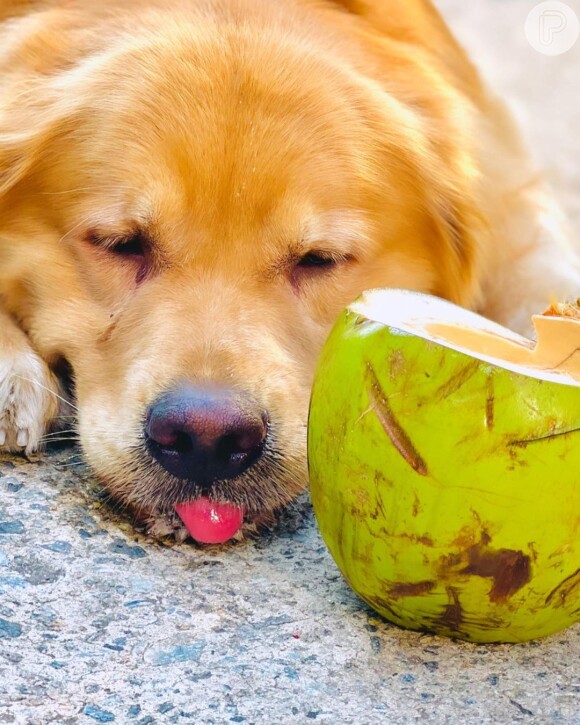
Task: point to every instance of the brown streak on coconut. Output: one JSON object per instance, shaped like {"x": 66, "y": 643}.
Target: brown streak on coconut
{"x": 485, "y": 535}
{"x": 564, "y": 589}
{"x": 551, "y": 436}
{"x": 452, "y": 616}
{"x": 399, "y": 590}
{"x": 416, "y": 506}
{"x": 457, "y": 381}
{"x": 490, "y": 404}
{"x": 391, "y": 425}
{"x": 415, "y": 538}
{"x": 396, "y": 364}
{"x": 379, "y": 604}
{"x": 509, "y": 569}
{"x": 363, "y": 322}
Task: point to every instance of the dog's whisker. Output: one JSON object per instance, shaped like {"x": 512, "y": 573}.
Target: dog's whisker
{"x": 59, "y": 432}
{"x": 48, "y": 390}
{"x": 72, "y": 437}
{"x": 59, "y": 440}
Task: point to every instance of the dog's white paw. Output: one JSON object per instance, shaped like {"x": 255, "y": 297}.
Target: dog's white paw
{"x": 29, "y": 399}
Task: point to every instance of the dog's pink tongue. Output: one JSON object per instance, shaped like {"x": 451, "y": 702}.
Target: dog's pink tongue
{"x": 210, "y": 522}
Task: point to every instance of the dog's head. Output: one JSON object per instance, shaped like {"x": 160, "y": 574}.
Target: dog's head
{"x": 188, "y": 201}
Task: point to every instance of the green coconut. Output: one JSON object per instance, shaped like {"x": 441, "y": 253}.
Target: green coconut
{"x": 444, "y": 455}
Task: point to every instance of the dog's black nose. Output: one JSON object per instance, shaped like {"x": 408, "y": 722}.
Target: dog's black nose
{"x": 204, "y": 434}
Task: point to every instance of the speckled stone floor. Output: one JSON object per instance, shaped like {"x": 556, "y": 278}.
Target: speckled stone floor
{"x": 98, "y": 624}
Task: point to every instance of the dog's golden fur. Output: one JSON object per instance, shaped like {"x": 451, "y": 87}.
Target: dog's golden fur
{"x": 166, "y": 164}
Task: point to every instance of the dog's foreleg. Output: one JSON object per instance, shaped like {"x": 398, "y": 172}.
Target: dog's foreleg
{"x": 30, "y": 394}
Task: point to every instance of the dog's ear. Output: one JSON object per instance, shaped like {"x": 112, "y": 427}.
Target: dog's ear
{"x": 28, "y": 134}
{"x": 459, "y": 227}
{"x": 449, "y": 190}
{"x": 380, "y": 12}
{"x": 36, "y": 101}
{"x": 441, "y": 182}
{"x": 416, "y": 23}
{"x": 11, "y": 166}
{"x": 17, "y": 154}
{"x": 445, "y": 176}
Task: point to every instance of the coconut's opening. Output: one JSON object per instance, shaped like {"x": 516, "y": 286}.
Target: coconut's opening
{"x": 554, "y": 357}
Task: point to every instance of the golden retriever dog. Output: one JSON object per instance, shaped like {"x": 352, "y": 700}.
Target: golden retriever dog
{"x": 192, "y": 190}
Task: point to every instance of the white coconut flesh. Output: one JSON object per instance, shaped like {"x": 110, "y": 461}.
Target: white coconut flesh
{"x": 555, "y": 357}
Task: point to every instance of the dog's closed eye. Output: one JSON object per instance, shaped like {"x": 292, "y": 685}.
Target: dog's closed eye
{"x": 131, "y": 249}
{"x": 317, "y": 261}
{"x": 317, "y": 264}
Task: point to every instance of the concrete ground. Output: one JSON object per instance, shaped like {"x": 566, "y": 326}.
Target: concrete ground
{"x": 100, "y": 625}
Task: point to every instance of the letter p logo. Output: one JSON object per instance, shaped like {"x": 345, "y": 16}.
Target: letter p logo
{"x": 552, "y": 28}
{"x": 551, "y": 24}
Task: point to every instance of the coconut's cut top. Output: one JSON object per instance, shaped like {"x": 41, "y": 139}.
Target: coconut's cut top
{"x": 555, "y": 357}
